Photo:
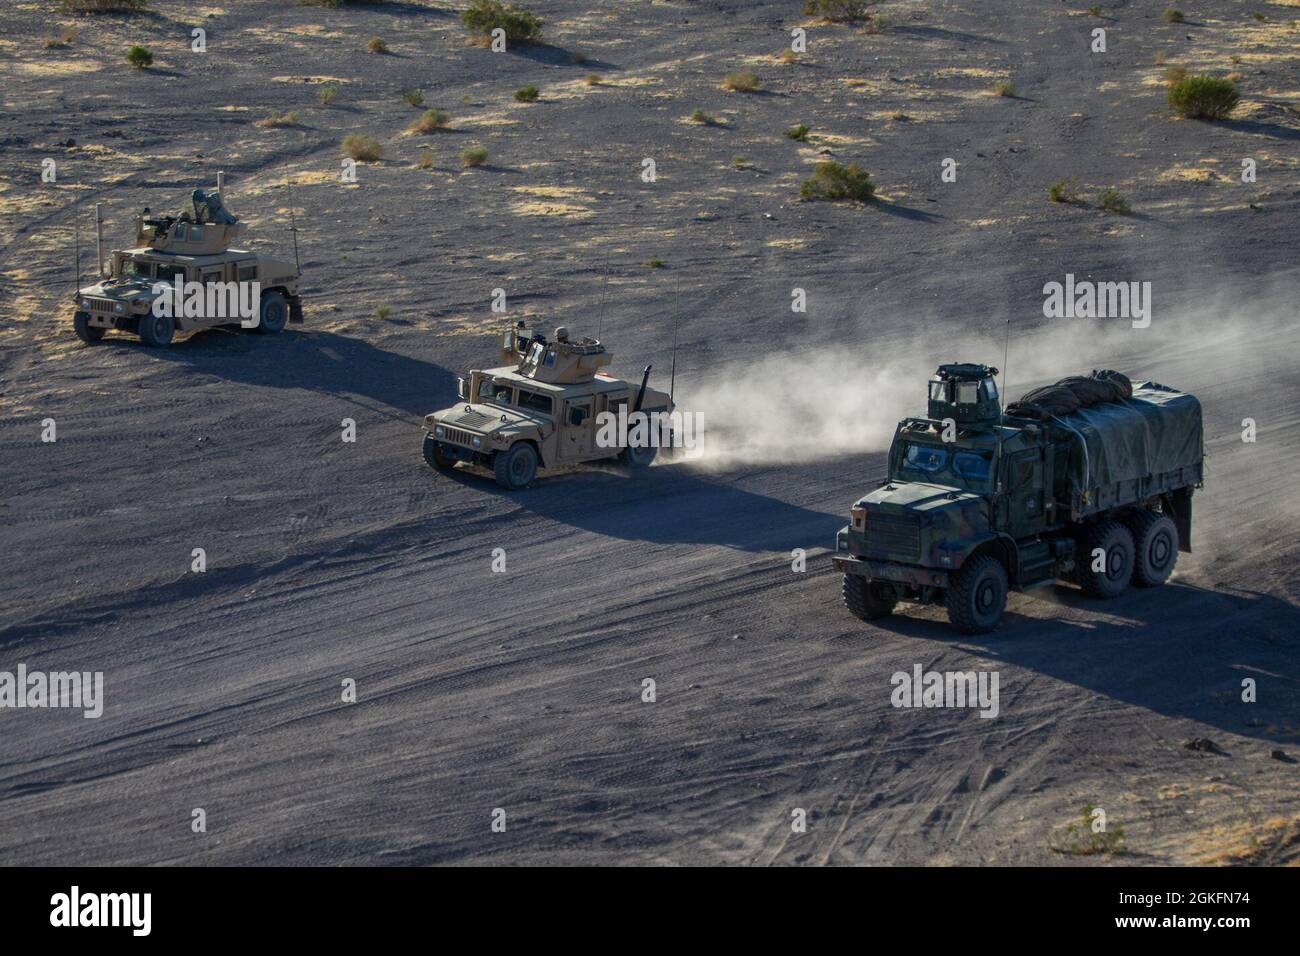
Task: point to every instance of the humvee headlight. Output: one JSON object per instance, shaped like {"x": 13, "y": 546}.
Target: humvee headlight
{"x": 477, "y": 442}
{"x": 85, "y": 303}
{"x": 437, "y": 431}
{"x": 119, "y": 307}
{"x": 858, "y": 518}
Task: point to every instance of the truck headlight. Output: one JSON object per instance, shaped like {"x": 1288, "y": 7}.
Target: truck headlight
{"x": 437, "y": 431}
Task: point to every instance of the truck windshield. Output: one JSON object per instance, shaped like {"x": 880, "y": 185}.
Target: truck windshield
{"x": 925, "y": 458}
{"x": 954, "y": 468}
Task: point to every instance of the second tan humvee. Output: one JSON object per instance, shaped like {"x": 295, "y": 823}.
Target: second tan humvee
{"x": 542, "y": 410}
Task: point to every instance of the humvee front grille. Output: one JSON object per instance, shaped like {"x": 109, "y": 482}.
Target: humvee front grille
{"x": 457, "y": 437}
{"x": 101, "y": 305}
{"x": 896, "y": 536}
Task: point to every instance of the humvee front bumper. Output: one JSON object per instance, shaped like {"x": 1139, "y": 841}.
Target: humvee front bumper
{"x": 890, "y": 571}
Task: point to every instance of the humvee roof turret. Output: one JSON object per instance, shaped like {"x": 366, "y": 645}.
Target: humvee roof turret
{"x": 182, "y": 274}
{"x": 550, "y": 405}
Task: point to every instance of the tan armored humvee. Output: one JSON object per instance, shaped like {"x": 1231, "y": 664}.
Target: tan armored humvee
{"x": 194, "y": 250}
{"x": 544, "y": 409}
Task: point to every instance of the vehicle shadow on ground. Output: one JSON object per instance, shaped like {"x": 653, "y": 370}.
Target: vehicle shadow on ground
{"x": 1180, "y": 650}
{"x": 665, "y": 504}
{"x": 317, "y": 361}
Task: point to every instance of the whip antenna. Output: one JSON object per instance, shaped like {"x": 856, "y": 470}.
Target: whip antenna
{"x": 293, "y": 227}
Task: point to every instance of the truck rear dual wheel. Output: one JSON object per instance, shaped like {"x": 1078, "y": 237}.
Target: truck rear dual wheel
{"x": 90, "y": 334}
{"x": 1155, "y": 542}
{"x": 516, "y": 467}
{"x": 867, "y": 600}
{"x": 1116, "y": 558}
{"x": 977, "y": 595}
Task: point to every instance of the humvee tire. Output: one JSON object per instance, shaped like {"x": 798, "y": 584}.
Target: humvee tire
{"x": 638, "y": 457}
{"x": 157, "y": 330}
{"x": 1155, "y": 542}
{"x": 90, "y": 334}
{"x": 864, "y": 599}
{"x": 1117, "y": 543}
{"x": 275, "y": 312}
{"x": 434, "y": 456}
{"x": 516, "y": 467}
{"x": 977, "y": 595}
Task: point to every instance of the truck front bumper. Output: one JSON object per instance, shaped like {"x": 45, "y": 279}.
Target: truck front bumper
{"x": 889, "y": 571}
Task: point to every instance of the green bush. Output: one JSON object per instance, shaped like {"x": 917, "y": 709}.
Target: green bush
{"x": 1112, "y": 201}
{"x": 474, "y": 156}
{"x": 376, "y": 45}
{"x": 703, "y": 118}
{"x": 1064, "y": 190}
{"x": 1005, "y": 88}
{"x": 840, "y": 11}
{"x": 1080, "y": 839}
{"x": 429, "y": 122}
{"x": 1173, "y": 15}
{"x": 325, "y": 94}
{"x": 835, "y": 181}
{"x": 799, "y": 132}
{"x": 278, "y": 120}
{"x": 742, "y": 81}
{"x": 526, "y": 94}
{"x": 484, "y": 16}
{"x": 362, "y": 148}
{"x": 139, "y": 56}
{"x": 1203, "y": 97}
{"x": 413, "y": 97}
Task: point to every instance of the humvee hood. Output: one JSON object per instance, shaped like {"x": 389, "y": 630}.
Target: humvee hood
{"x": 917, "y": 496}
{"x": 485, "y": 419}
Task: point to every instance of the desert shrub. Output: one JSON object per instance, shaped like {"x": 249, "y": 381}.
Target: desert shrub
{"x": 362, "y": 148}
{"x": 383, "y": 312}
{"x": 1094, "y": 11}
{"x": 1159, "y": 58}
{"x": 413, "y": 97}
{"x": 786, "y": 56}
{"x": 742, "y": 81}
{"x": 835, "y": 181}
{"x": 139, "y": 56}
{"x": 1112, "y": 200}
{"x": 1064, "y": 190}
{"x": 1257, "y": 16}
{"x": 484, "y": 16}
{"x": 799, "y": 131}
{"x": 1175, "y": 74}
{"x": 593, "y": 79}
{"x": 474, "y": 156}
{"x": 1079, "y": 838}
{"x": 740, "y": 162}
{"x": 426, "y": 159}
{"x": 376, "y": 45}
{"x": 1203, "y": 97}
{"x": 580, "y": 59}
{"x": 429, "y": 122}
{"x": 704, "y": 119}
{"x": 65, "y": 38}
{"x": 325, "y": 94}
{"x": 654, "y": 262}
{"x": 1173, "y": 15}
{"x": 277, "y": 120}
{"x": 840, "y": 11}
{"x": 103, "y": 6}
{"x": 1005, "y": 88}
{"x": 526, "y": 94}
{"x": 876, "y": 24}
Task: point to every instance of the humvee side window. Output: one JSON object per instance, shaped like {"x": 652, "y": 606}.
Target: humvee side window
{"x": 196, "y": 233}
{"x": 167, "y": 273}
{"x": 531, "y": 400}
{"x": 925, "y": 457}
{"x": 247, "y": 273}
{"x": 212, "y": 276}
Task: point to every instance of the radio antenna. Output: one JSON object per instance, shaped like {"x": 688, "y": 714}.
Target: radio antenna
{"x": 677, "y": 312}
{"x": 76, "y": 242}
{"x": 997, "y": 433}
{"x": 293, "y": 226}
{"x": 604, "y": 292}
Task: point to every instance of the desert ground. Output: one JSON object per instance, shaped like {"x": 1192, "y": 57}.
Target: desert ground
{"x": 522, "y": 691}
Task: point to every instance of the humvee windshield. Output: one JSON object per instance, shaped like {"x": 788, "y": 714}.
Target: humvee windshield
{"x": 138, "y": 268}
{"x": 955, "y": 467}
{"x": 500, "y": 393}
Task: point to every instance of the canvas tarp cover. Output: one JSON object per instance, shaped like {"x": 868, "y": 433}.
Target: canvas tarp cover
{"x": 1157, "y": 430}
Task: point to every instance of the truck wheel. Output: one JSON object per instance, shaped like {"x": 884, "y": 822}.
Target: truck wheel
{"x": 432, "y": 449}
{"x": 90, "y": 334}
{"x": 1155, "y": 540}
{"x": 156, "y": 330}
{"x": 638, "y": 457}
{"x": 275, "y": 312}
{"x": 977, "y": 595}
{"x": 517, "y": 467}
{"x": 867, "y": 600}
{"x": 1116, "y": 541}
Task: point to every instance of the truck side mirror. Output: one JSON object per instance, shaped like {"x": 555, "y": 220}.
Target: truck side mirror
{"x": 460, "y": 387}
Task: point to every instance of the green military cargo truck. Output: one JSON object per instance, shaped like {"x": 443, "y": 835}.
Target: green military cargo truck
{"x": 1089, "y": 480}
